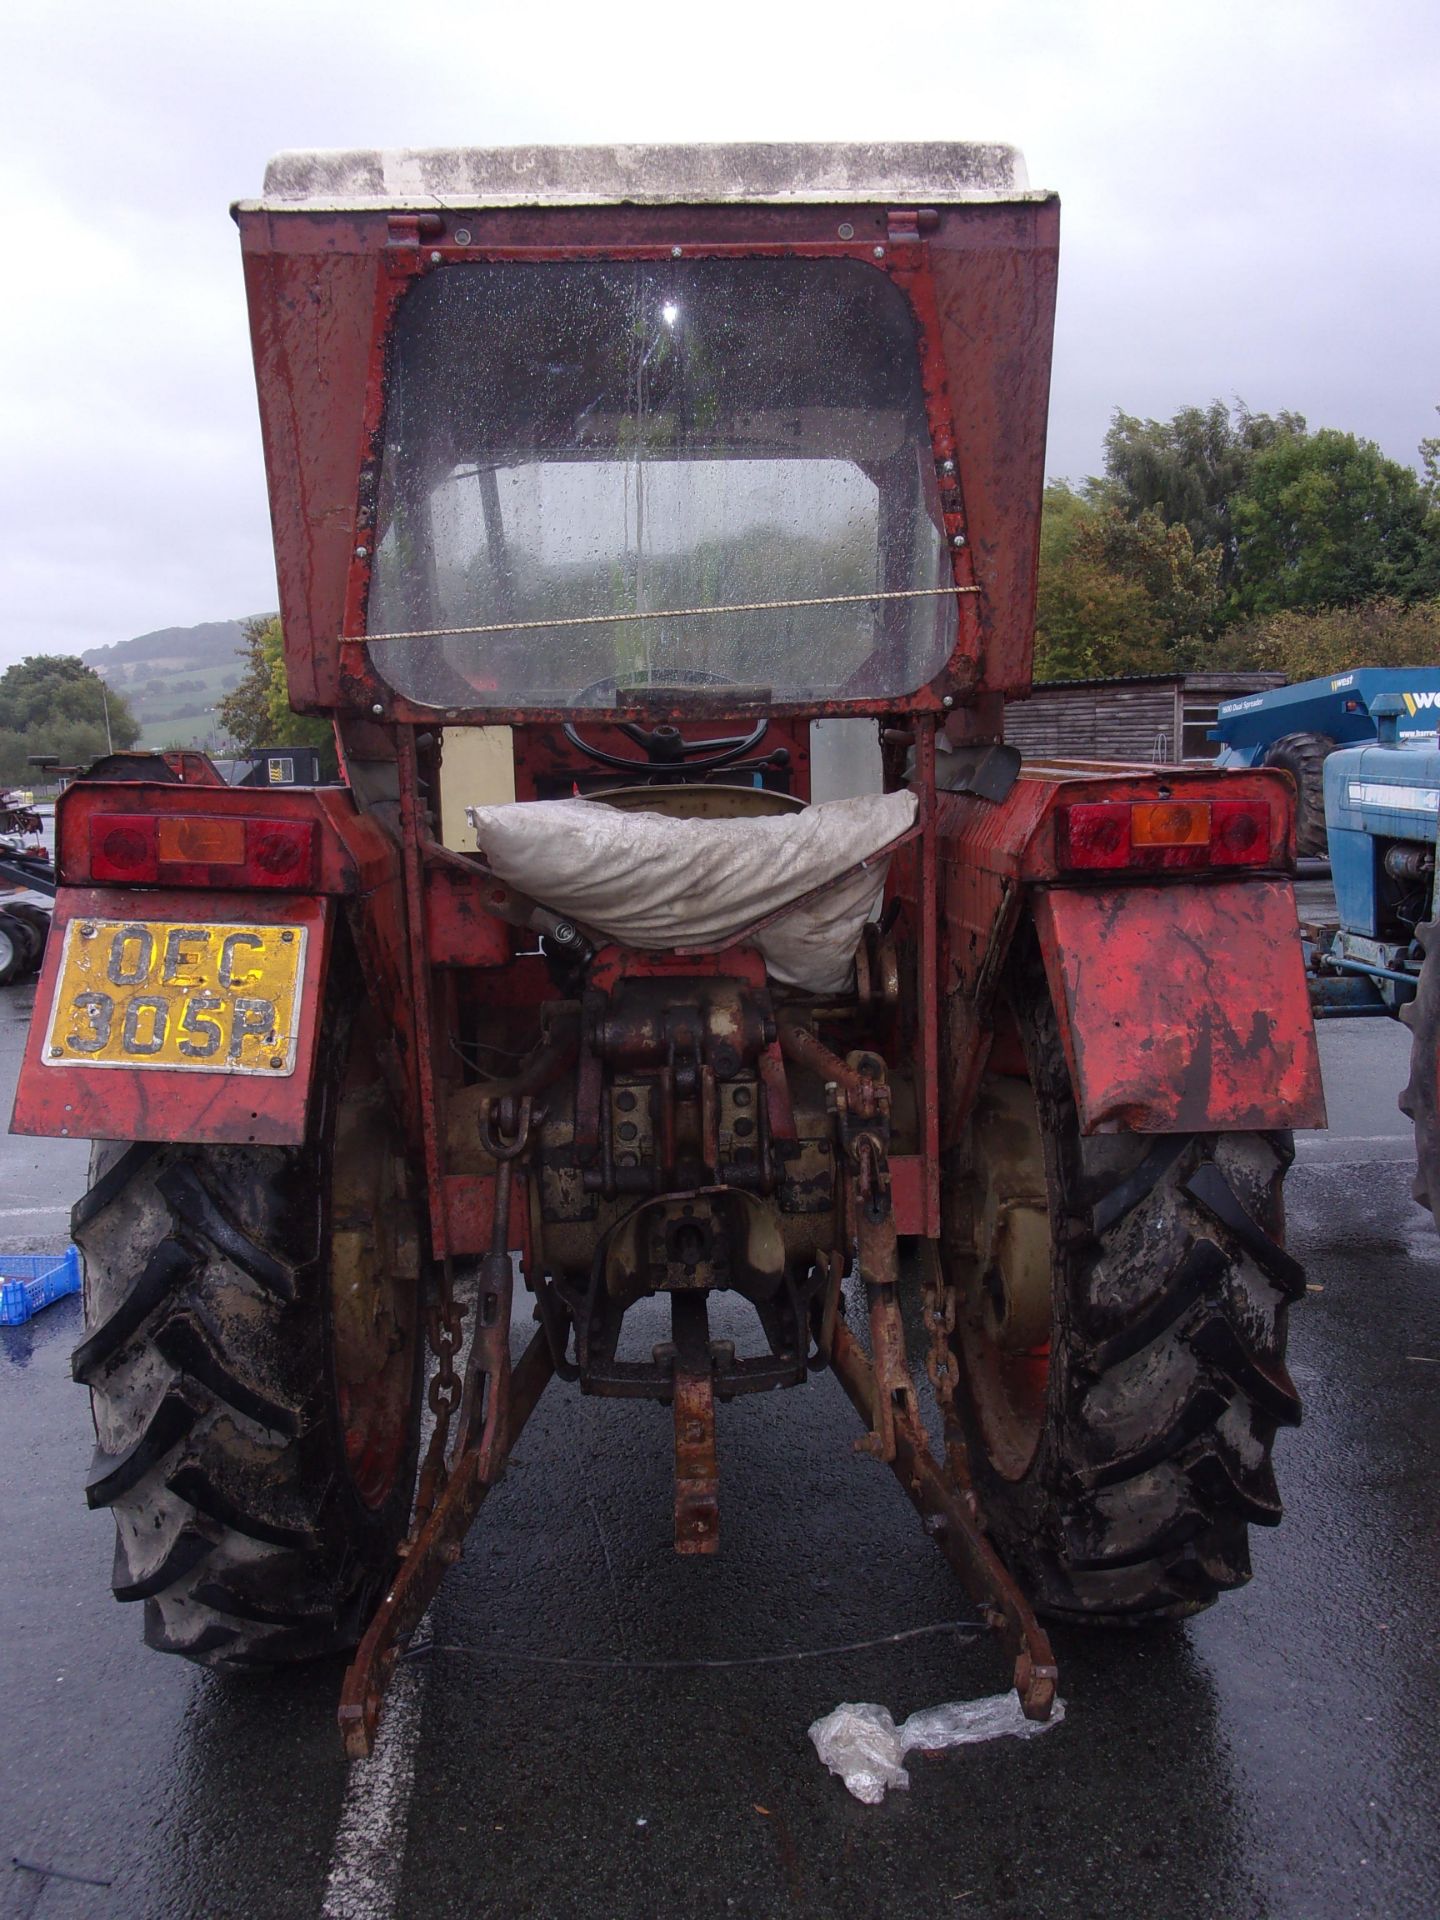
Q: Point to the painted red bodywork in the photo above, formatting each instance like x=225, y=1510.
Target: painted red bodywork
x=1151, y=977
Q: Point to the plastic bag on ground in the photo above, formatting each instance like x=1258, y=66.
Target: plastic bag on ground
x=861, y=1742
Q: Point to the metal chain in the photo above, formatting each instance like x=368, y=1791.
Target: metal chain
x=938, y=1304
x=445, y=1328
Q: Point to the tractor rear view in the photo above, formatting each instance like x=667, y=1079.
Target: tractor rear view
x=633, y=465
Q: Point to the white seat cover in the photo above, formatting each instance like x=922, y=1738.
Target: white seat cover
x=649, y=881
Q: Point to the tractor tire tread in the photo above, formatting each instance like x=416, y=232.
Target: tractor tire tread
x=197, y=1207
x=167, y=1424
x=130, y=1581
x=1180, y=1502
x=235, y=1524
x=1303, y=757
x=1167, y=1379
x=169, y=1265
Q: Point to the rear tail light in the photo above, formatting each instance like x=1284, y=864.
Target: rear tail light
x=1094, y=834
x=1168, y=835
x=136, y=849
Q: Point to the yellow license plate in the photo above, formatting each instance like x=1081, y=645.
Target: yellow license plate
x=220, y=998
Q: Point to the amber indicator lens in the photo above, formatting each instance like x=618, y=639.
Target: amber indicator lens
x=1170, y=823
x=214, y=843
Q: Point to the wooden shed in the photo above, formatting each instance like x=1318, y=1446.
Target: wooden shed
x=1134, y=716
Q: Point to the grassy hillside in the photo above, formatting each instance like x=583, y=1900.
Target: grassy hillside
x=174, y=678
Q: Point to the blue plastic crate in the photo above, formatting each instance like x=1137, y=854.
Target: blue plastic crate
x=30, y=1281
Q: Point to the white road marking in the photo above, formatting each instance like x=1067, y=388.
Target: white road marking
x=1323, y=1140
x=368, y=1857
x=17, y=1213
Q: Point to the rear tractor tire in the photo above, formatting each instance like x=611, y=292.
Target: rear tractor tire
x=253, y=1353
x=1303, y=757
x=1120, y=1337
x=36, y=920
x=14, y=949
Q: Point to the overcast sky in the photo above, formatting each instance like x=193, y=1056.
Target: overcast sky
x=1249, y=192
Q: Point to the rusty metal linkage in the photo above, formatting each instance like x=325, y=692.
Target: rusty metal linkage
x=497, y=1401
x=864, y=1090
x=956, y=1533
x=435, y=1551
x=697, y=1473
x=878, y=1259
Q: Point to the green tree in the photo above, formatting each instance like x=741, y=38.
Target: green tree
x=1181, y=583
x=55, y=704
x=1189, y=469
x=257, y=713
x=1116, y=595
x=1325, y=520
x=1302, y=646
x=244, y=712
x=1430, y=468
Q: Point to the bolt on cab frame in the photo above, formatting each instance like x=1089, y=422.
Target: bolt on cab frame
x=656, y=457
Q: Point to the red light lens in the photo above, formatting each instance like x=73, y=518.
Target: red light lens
x=1240, y=833
x=280, y=853
x=1095, y=834
x=122, y=848
x=275, y=854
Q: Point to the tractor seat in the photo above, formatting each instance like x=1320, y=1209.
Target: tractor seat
x=797, y=885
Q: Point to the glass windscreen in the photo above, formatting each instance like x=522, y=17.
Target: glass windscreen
x=686, y=475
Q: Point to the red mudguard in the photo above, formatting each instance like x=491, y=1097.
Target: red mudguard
x=1183, y=1007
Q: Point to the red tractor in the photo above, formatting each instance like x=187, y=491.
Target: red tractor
x=634, y=470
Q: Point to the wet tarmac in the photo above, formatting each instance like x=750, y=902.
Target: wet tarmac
x=1272, y=1758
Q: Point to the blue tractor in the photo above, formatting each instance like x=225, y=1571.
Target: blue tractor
x=1382, y=807
x=1298, y=727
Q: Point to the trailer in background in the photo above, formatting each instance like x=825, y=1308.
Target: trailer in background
x=1296, y=728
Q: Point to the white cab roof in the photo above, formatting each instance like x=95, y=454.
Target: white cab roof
x=775, y=172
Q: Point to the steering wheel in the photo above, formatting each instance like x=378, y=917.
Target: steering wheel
x=664, y=747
